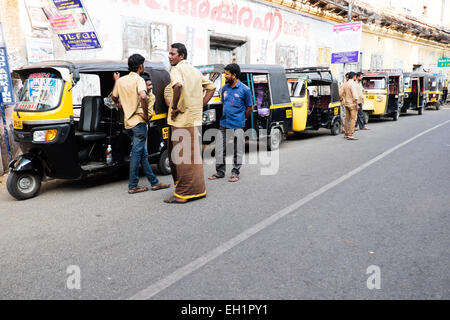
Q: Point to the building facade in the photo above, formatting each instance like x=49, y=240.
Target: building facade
x=409, y=35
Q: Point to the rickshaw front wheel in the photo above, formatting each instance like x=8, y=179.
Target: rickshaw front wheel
x=366, y=117
x=23, y=185
x=335, y=129
x=164, y=164
x=275, y=138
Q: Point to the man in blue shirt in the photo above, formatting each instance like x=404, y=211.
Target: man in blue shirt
x=236, y=99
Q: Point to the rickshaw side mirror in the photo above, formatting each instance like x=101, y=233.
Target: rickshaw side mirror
x=75, y=77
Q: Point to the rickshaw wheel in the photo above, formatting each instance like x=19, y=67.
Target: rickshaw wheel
x=23, y=185
x=274, y=140
x=438, y=105
x=164, y=164
x=366, y=117
x=335, y=129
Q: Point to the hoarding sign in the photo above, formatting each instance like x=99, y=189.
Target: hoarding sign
x=71, y=23
x=6, y=88
x=347, y=42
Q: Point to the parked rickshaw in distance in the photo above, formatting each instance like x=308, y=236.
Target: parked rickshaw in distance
x=64, y=123
x=415, y=97
x=271, y=117
x=315, y=95
x=384, y=93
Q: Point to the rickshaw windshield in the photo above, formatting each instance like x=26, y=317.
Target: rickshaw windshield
x=297, y=87
x=374, y=83
x=407, y=82
x=217, y=79
x=44, y=92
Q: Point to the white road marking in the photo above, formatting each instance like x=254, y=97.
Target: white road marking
x=184, y=271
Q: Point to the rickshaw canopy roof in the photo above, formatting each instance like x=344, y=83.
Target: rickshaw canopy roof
x=383, y=73
x=92, y=66
x=278, y=85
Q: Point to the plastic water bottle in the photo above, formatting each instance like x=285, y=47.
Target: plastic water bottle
x=109, y=155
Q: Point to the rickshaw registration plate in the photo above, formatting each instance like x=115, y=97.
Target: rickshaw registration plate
x=371, y=97
x=17, y=124
x=336, y=111
x=165, y=133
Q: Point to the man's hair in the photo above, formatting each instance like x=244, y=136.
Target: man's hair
x=359, y=74
x=146, y=77
x=346, y=75
x=351, y=75
x=135, y=61
x=181, y=48
x=234, y=68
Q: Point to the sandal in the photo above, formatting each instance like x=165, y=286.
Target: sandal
x=176, y=200
x=137, y=189
x=160, y=186
x=234, y=178
x=216, y=176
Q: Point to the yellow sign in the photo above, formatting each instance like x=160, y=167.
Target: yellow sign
x=336, y=111
x=165, y=133
x=289, y=114
x=17, y=124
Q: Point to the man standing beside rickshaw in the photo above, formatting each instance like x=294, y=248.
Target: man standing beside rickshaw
x=185, y=114
x=349, y=97
x=236, y=99
x=132, y=92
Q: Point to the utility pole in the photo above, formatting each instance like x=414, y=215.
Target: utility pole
x=350, y=10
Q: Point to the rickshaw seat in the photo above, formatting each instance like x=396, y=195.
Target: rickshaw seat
x=90, y=116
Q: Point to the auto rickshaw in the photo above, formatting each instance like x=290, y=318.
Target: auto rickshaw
x=384, y=93
x=314, y=93
x=65, y=123
x=415, y=99
x=271, y=117
x=433, y=88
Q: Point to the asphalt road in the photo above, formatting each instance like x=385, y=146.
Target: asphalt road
x=309, y=232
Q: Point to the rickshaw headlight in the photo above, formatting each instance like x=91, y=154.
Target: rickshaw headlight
x=209, y=116
x=379, y=99
x=45, y=135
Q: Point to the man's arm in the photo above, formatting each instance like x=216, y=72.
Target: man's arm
x=144, y=105
x=115, y=92
x=210, y=88
x=208, y=95
x=176, y=99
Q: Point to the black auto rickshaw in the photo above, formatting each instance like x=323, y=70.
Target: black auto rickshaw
x=271, y=117
x=64, y=123
x=320, y=93
x=384, y=93
x=415, y=99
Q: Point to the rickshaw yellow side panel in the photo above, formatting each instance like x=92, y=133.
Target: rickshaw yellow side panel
x=300, y=114
x=215, y=100
x=372, y=102
x=63, y=112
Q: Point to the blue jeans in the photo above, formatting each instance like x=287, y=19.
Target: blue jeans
x=139, y=154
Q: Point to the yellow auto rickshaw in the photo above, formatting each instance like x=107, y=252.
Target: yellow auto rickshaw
x=66, y=125
x=384, y=93
x=315, y=96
